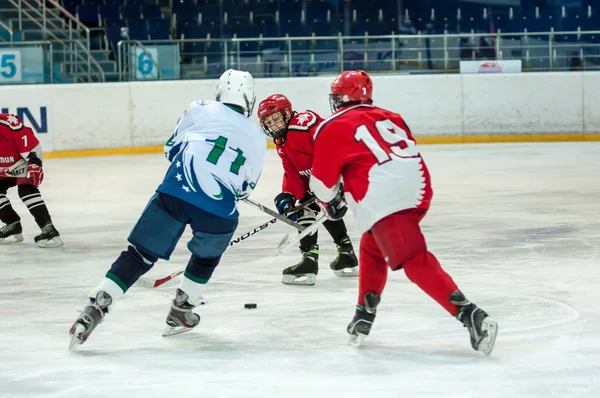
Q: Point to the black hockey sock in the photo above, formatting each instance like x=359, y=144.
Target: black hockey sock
x=338, y=231
x=309, y=241
x=8, y=215
x=200, y=269
x=32, y=198
x=128, y=268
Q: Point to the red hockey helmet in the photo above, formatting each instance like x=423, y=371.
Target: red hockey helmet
x=274, y=114
x=351, y=88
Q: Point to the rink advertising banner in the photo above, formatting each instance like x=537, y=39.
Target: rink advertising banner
x=32, y=104
x=489, y=66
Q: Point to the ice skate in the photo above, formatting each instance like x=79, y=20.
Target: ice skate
x=305, y=272
x=482, y=328
x=346, y=263
x=11, y=233
x=49, y=237
x=360, y=327
x=90, y=317
x=181, y=319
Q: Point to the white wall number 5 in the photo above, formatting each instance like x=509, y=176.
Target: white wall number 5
x=401, y=145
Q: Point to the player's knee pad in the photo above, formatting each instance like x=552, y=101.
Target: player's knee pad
x=209, y=245
x=156, y=233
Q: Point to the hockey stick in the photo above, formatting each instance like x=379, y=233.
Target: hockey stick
x=146, y=282
x=287, y=242
x=281, y=217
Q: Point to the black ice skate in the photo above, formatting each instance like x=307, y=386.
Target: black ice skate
x=90, y=317
x=346, y=263
x=360, y=327
x=49, y=237
x=305, y=272
x=482, y=328
x=11, y=233
x=181, y=319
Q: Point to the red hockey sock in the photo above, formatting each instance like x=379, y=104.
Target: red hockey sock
x=425, y=271
x=372, y=269
x=372, y=278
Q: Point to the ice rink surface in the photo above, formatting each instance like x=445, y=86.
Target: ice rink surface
x=516, y=225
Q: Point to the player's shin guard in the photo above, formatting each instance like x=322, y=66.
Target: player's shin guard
x=482, y=328
x=129, y=266
x=32, y=198
x=425, y=271
x=361, y=324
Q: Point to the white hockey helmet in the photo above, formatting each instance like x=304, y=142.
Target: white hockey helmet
x=236, y=87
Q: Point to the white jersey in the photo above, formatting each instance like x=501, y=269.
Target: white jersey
x=217, y=157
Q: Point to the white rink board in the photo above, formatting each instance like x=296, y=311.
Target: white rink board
x=112, y=115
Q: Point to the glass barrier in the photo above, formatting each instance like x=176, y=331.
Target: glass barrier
x=311, y=56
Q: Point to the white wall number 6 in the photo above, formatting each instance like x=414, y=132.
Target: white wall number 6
x=401, y=145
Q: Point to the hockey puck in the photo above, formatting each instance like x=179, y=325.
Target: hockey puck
x=250, y=305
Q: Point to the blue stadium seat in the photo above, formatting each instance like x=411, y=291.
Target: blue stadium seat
x=182, y=5
x=134, y=2
x=376, y=28
x=158, y=32
x=289, y=18
x=112, y=2
x=138, y=32
x=295, y=30
x=188, y=12
x=151, y=11
x=263, y=7
x=88, y=15
x=357, y=29
x=210, y=11
x=572, y=21
x=157, y=22
x=113, y=22
x=92, y=2
x=239, y=11
x=113, y=36
x=264, y=19
x=322, y=28
x=110, y=11
x=71, y=5
x=131, y=11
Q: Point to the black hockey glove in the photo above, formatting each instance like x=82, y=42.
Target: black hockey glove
x=284, y=202
x=335, y=209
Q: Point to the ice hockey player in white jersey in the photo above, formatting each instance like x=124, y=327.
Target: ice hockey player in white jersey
x=217, y=155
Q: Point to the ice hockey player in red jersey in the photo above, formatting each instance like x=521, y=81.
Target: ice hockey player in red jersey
x=292, y=133
x=387, y=186
x=21, y=166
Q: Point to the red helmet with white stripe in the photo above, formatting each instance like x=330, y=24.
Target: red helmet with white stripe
x=274, y=114
x=351, y=88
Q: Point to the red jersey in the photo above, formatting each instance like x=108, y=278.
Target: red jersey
x=296, y=153
x=373, y=151
x=16, y=143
